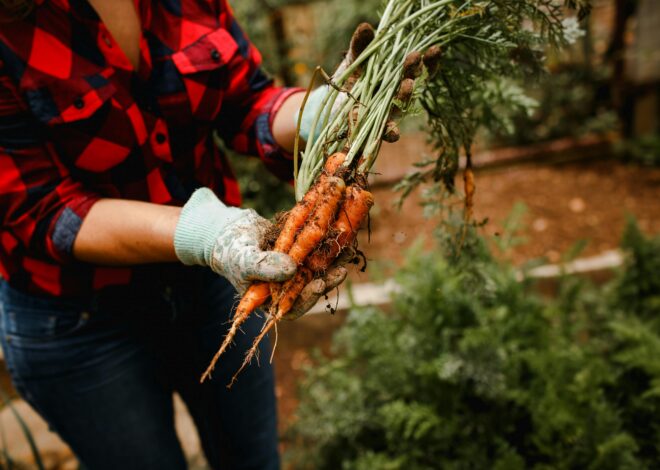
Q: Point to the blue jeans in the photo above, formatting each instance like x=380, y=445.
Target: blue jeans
x=101, y=372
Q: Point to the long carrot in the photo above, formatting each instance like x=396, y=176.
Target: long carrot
x=297, y=216
x=253, y=298
x=352, y=214
x=309, y=237
x=319, y=221
x=259, y=292
x=290, y=292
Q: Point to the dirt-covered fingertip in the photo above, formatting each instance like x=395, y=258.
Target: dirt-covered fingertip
x=334, y=277
x=362, y=37
x=310, y=294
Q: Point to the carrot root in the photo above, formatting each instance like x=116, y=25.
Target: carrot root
x=253, y=298
x=319, y=221
x=352, y=214
x=304, y=228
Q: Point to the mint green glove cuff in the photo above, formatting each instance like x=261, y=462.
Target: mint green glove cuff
x=314, y=102
x=201, y=221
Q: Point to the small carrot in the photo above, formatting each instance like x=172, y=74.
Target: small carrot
x=297, y=216
x=319, y=221
x=468, y=180
x=431, y=60
x=290, y=292
x=333, y=163
x=352, y=214
x=405, y=90
x=253, y=298
x=259, y=292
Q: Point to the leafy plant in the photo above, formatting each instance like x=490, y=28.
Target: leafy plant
x=470, y=369
x=644, y=150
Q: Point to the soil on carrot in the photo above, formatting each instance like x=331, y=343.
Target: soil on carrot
x=565, y=204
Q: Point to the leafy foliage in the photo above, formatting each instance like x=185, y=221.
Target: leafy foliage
x=471, y=370
x=573, y=101
x=644, y=150
x=480, y=83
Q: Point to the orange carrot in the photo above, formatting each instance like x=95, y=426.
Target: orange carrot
x=297, y=216
x=352, y=214
x=292, y=289
x=296, y=219
x=319, y=221
x=253, y=298
x=331, y=190
x=259, y=292
x=290, y=292
x=333, y=163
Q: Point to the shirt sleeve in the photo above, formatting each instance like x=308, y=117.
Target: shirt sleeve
x=250, y=104
x=41, y=206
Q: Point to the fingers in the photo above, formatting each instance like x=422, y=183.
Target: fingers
x=361, y=38
x=310, y=294
x=316, y=289
x=335, y=276
x=267, y=266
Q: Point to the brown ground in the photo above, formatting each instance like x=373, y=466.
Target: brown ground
x=566, y=203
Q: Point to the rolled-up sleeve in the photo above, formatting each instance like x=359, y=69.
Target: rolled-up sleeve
x=250, y=104
x=41, y=206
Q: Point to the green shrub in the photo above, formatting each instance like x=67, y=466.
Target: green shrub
x=471, y=369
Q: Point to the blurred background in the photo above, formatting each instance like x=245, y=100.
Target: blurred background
x=531, y=338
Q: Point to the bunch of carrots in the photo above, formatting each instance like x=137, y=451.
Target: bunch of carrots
x=333, y=199
x=389, y=78
x=314, y=233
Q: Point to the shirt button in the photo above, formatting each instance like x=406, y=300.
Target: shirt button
x=161, y=138
x=215, y=55
x=79, y=103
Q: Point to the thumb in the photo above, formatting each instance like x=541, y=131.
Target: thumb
x=269, y=266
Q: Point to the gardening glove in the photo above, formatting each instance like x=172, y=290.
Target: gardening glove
x=228, y=239
x=361, y=38
x=318, y=288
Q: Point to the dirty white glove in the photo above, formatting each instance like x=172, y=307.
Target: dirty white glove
x=227, y=239
x=362, y=37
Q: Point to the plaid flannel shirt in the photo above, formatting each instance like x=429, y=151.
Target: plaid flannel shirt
x=78, y=123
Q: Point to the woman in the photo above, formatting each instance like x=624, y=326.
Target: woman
x=107, y=109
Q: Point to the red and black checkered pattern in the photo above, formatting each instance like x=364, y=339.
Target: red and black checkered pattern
x=78, y=123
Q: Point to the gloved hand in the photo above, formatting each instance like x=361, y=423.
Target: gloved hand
x=228, y=239
x=361, y=38
x=318, y=288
